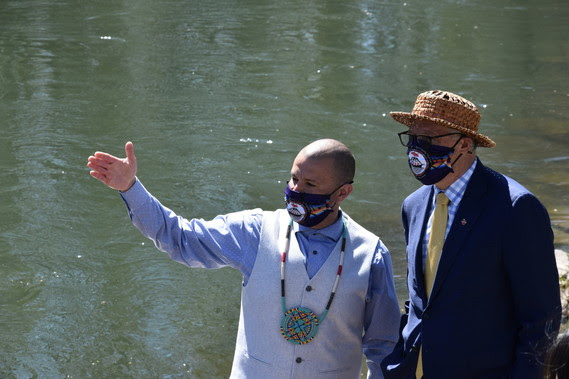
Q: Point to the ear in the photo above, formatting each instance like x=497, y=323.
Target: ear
x=466, y=145
x=344, y=192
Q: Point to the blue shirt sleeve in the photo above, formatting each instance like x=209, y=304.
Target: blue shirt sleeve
x=233, y=240
x=382, y=314
x=227, y=240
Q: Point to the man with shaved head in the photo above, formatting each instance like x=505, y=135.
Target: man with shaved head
x=318, y=288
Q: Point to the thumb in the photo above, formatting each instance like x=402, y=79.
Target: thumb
x=129, y=150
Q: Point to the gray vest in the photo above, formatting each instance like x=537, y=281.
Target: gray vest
x=336, y=351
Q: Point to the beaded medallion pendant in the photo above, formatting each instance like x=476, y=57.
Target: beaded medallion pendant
x=299, y=325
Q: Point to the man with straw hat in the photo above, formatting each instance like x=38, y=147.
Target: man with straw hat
x=482, y=279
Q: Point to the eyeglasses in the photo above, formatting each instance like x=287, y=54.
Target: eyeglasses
x=424, y=141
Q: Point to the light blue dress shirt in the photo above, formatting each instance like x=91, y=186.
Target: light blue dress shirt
x=454, y=192
x=233, y=239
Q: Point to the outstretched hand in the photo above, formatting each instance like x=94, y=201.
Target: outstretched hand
x=117, y=173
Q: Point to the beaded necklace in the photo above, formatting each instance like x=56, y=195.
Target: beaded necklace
x=299, y=325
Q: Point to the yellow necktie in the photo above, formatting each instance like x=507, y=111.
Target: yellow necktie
x=436, y=240
x=434, y=249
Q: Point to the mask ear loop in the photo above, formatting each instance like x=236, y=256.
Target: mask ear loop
x=330, y=195
x=460, y=155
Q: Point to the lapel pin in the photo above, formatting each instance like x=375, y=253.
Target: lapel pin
x=463, y=222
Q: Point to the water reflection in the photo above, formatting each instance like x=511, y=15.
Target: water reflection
x=202, y=88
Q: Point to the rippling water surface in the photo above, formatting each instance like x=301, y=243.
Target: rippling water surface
x=218, y=96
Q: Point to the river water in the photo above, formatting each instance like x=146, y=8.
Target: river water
x=218, y=96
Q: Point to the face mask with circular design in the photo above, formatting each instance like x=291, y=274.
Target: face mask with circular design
x=308, y=209
x=430, y=165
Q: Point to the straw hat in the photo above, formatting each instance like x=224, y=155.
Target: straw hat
x=446, y=109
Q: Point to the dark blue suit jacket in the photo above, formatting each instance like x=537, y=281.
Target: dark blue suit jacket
x=495, y=299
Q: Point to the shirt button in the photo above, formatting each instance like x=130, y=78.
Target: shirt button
x=309, y=288
x=298, y=360
x=314, y=252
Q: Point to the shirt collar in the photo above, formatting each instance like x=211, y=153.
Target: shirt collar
x=456, y=190
x=333, y=232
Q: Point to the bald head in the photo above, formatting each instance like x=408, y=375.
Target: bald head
x=344, y=163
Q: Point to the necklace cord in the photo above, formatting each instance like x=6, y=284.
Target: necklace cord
x=338, y=273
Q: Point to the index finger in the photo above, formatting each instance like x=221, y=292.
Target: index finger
x=105, y=157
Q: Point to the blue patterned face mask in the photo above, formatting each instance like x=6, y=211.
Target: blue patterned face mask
x=430, y=165
x=308, y=209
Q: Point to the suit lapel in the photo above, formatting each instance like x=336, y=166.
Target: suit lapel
x=467, y=214
x=417, y=227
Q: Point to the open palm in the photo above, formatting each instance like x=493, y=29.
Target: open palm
x=117, y=173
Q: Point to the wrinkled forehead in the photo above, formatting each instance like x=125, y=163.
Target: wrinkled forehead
x=313, y=167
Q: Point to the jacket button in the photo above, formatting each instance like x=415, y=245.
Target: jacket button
x=298, y=360
x=425, y=316
x=309, y=288
x=414, y=349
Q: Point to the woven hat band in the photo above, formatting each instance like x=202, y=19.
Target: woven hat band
x=458, y=114
x=446, y=109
